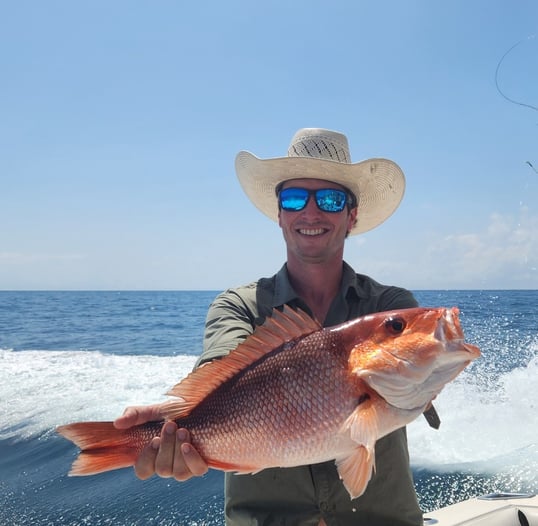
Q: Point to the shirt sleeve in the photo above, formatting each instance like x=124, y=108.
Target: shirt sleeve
x=230, y=319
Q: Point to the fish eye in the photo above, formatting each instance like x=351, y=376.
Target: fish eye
x=395, y=325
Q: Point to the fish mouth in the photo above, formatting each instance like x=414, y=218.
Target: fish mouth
x=450, y=333
x=448, y=326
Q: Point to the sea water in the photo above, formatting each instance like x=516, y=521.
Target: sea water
x=70, y=356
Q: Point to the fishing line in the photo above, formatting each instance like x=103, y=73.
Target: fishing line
x=532, y=167
x=497, y=76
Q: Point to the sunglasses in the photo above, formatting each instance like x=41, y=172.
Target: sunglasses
x=329, y=200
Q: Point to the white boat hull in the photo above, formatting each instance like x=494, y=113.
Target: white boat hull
x=496, y=509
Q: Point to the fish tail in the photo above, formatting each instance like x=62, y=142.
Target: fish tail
x=101, y=460
x=103, y=447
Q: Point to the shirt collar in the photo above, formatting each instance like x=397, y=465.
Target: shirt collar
x=284, y=292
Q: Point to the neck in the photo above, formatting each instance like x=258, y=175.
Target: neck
x=317, y=284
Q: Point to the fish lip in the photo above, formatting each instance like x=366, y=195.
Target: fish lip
x=450, y=332
x=448, y=326
x=461, y=348
x=473, y=350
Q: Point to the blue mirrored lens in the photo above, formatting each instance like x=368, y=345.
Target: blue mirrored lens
x=293, y=199
x=331, y=200
x=327, y=199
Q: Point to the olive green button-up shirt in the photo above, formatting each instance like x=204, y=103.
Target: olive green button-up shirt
x=304, y=494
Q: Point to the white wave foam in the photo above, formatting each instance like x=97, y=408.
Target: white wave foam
x=42, y=389
x=487, y=423
x=483, y=424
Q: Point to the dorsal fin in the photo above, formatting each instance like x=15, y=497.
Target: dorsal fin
x=280, y=328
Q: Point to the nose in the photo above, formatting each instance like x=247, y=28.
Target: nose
x=311, y=209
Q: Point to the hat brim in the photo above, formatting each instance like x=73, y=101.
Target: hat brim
x=378, y=184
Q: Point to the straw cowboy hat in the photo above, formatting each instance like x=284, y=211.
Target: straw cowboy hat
x=314, y=153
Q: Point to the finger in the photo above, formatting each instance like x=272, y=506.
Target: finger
x=180, y=470
x=164, y=462
x=187, y=461
x=137, y=415
x=128, y=419
x=145, y=463
x=196, y=464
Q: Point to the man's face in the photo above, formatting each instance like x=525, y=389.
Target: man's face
x=312, y=234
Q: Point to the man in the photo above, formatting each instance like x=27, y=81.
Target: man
x=318, y=198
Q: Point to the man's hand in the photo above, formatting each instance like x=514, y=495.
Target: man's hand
x=168, y=455
x=138, y=415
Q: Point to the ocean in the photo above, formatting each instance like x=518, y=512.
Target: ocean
x=70, y=356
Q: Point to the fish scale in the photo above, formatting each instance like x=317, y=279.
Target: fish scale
x=288, y=402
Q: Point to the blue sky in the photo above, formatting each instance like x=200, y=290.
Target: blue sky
x=120, y=122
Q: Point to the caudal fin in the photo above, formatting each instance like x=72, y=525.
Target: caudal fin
x=103, y=447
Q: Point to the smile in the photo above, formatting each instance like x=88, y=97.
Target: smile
x=311, y=231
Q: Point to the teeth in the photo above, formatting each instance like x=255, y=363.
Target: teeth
x=311, y=231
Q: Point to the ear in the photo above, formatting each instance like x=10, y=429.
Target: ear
x=352, y=219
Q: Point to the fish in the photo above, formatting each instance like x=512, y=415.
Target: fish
x=294, y=393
